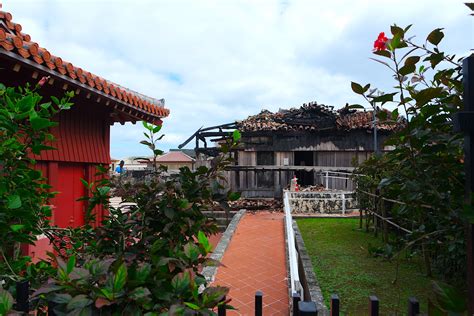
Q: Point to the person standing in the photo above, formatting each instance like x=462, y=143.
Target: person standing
x=120, y=168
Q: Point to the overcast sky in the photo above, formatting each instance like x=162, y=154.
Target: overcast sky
x=215, y=62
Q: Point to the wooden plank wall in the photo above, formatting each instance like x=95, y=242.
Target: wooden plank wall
x=83, y=135
x=247, y=179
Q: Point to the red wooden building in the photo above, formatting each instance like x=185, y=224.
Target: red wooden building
x=83, y=133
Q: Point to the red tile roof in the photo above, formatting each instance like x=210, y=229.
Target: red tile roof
x=13, y=40
x=175, y=156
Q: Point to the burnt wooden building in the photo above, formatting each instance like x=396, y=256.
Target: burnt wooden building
x=311, y=142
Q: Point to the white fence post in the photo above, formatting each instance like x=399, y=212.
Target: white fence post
x=343, y=203
x=327, y=180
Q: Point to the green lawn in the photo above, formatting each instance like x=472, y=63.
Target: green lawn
x=338, y=251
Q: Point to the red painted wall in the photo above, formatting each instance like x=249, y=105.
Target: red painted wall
x=68, y=211
x=82, y=142
x=83, y=135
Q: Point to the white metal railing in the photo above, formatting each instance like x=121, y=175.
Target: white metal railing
x=326, y=175
x=295, y=284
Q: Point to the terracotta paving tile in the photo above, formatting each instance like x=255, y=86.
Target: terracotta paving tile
x=256, y=260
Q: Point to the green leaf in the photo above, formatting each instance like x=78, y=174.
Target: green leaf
x=38, y=123
x=236, y=136
x=426, y=95
x=17, y=227
x=169, y=212
x=26, y=103
x=204, y=241
x=142, y=272
x=156, y=129
x=48, y=288
x=395, y=42
x=139, y=294
x=384, y=53
x=407, y=69
x=233, y=196
x=61, y=298
x=435, y=59
x=395, y=114
x=103, y=190
x=13, y=201
x=394, y=29
x=449, y=298
x=191, y=251
x=180, y=283
x=145, y=142
x=384, y=98
x=435, y=36
x=55, y=100
x=78, y=302
x=382, y=115
x=355, y=106
x=107, y=293
x=147, y=126
x=71, y=264
x=412, y=60
x=120, y=278
x=192, y=306
x=6, y=302
x=357, y=88
x=183, y=203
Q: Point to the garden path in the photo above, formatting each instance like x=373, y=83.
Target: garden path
x=256, y=260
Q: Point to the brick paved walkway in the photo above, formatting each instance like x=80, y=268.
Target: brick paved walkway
x=256, y=260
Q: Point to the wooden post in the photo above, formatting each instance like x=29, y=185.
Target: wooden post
x=296, y=298
x=463, y=122
x=258, y=303
x=307, y=308
x=23, y=296
x=334, y=305
x=384, y=222
x=373, y=306
x=413, y=307
x=221, y=311
x=376, y=211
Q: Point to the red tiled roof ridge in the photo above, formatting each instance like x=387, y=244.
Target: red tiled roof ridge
x=12, y=40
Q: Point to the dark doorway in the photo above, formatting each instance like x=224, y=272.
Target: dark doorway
x=265, y=179
x=304, y=158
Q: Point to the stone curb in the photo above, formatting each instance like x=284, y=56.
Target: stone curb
x=313, y=286
x=210, y=272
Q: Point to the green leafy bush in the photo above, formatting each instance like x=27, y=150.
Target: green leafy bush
x=25, y=120
x=424, y=171
x=145, y=258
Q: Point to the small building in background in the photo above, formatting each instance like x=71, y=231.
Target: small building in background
x=174, y=160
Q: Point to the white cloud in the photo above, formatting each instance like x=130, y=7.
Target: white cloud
x=219, y=61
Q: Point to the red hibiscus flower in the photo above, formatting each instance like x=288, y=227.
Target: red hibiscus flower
x=380, y=42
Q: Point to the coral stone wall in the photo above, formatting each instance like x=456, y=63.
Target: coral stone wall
x=325, y=202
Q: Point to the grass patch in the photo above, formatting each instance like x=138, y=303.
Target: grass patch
x=338, y=251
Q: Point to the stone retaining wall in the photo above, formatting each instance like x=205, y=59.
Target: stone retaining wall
x=324, y=202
